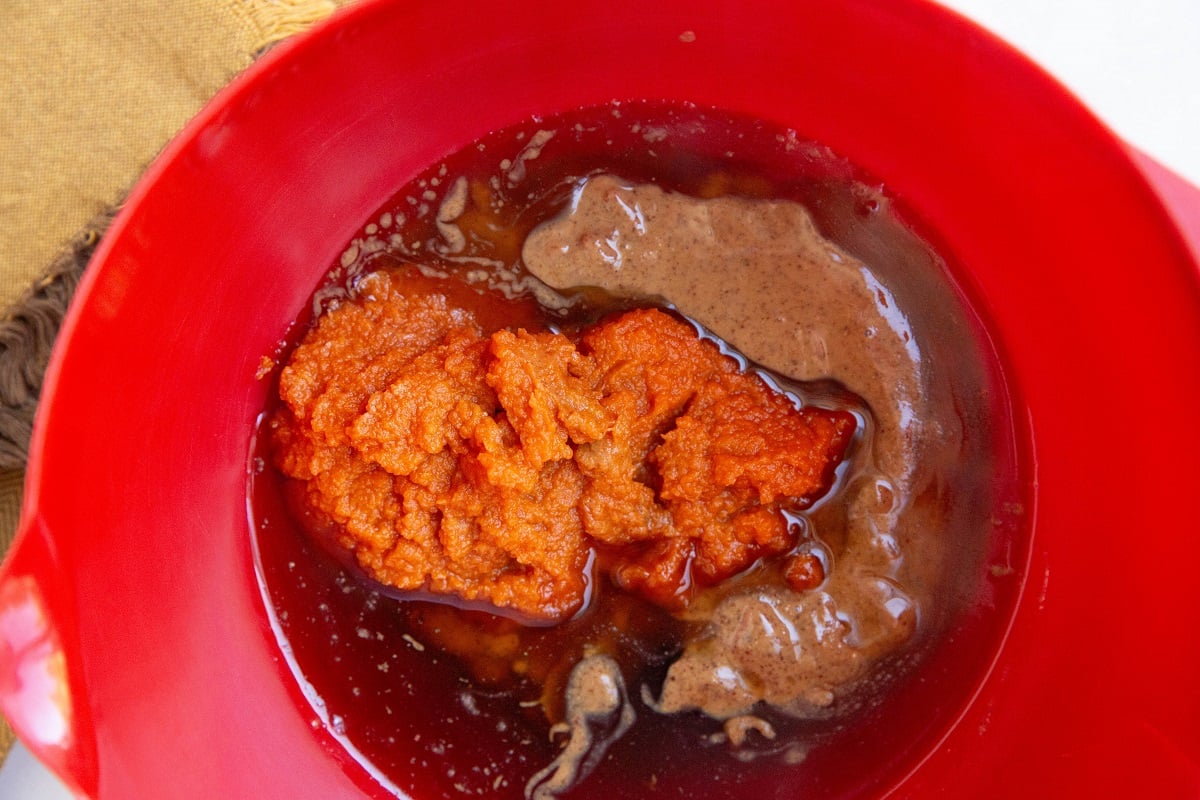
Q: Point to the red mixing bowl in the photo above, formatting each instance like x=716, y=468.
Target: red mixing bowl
x=136, y=654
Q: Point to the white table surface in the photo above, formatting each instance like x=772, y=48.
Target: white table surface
x=1135, y=64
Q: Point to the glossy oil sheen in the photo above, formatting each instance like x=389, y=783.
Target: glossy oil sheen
x=135, y=554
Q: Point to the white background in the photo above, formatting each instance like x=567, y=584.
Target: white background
x=1136, y=63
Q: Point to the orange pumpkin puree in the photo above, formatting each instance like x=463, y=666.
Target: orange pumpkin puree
x=504, y=468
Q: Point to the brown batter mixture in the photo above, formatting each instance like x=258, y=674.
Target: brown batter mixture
x=760, y=275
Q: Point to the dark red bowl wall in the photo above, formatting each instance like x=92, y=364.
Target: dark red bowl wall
x=136, y=534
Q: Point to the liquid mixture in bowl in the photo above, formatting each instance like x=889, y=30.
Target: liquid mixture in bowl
x=640, y=450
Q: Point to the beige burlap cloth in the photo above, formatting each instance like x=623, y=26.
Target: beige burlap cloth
x=89, y=94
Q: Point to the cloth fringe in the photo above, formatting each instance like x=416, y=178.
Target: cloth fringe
x=27, y=332
x=274, y=20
